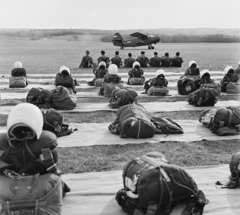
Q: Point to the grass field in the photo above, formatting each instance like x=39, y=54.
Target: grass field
x=47, y=55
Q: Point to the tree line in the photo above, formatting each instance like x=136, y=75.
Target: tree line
x=182, y=38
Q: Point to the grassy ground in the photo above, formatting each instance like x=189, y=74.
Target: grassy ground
x=106, y=158
x=46, y=56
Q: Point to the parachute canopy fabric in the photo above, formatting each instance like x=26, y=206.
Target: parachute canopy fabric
x=94, y=193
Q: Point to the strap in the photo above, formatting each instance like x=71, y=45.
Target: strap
x=230, y=116
x=151, y=210
x=139, y=128
x=47, y=159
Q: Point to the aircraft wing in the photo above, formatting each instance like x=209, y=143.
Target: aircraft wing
x=137, y=34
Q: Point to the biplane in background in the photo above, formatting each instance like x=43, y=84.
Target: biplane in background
x=135, y=39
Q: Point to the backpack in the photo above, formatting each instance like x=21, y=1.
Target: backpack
x=39, y=97
x=63, y=98
x=185, y=85
x=64, y=81
x=157, y=91
x=110, y=87
x=121, y=97
x=234, y=179
x=203, y=97
x=154, y=186
x=17, y=82
x=54, y=122
x=98, y=82
x=136, y=81
x=32, y=194
x=216, y=86
x=222, y=120
x=233, y=87
x=133, y=121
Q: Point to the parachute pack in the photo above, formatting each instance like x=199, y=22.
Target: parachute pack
x=17, y=82
x=108, y=88
x=63, y=98
x=234, y=179
x=32, y=194
x=39, y=97
x=203, y=97
x=157, y=91
x=133, y=121
x=185, y=86
x=136, y=81
x=233, y=88
x=154, y=186
x=121, y=97
x=60, y=98
x=54, y=122
x=222, y=120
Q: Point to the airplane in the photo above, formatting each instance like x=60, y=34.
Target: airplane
x=135, y=39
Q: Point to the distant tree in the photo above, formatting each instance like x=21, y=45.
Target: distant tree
x=75, y=37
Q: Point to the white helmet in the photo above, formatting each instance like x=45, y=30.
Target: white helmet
x=226, y=70
x=17, y=64
x=64, y=68
x=102, y=63
x=204, y=72
x=159, y=72
x=113, y=69
x=239, y=63
x=191, y=63
x=26, y=115
x=135, y=64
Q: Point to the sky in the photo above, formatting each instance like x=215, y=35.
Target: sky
x=119, y=14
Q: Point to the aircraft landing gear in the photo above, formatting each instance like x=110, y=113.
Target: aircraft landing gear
x=150, y=47
x=122, y=47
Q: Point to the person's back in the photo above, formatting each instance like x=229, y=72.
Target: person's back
x=155, y=60
x=18, y=70
x=64, y=78
x=177, y=60
x=143, y=60
x=117, y=61
x=159, y=82
x=128, y=62
x=205, y=77
x=103, y=58
x=86, y=62
x=192, y=70
x=166, y=60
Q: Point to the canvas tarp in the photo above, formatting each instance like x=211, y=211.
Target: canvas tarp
x=94, y=193
x=150, y=106
x=193, y=131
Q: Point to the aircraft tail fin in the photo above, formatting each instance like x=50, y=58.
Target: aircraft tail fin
x=117, y=37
